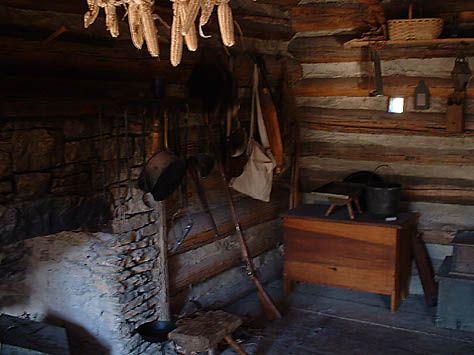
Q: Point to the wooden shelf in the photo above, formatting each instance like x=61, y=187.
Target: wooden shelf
x=441, y=42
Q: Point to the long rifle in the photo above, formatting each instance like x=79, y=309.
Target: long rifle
x=268, y=306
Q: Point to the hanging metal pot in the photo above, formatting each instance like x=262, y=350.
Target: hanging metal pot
x=164, y=172
x=383, y=199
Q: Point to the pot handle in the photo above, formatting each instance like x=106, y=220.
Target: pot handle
x=384, y=166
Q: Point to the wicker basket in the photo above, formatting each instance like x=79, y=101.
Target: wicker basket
x=420, y=28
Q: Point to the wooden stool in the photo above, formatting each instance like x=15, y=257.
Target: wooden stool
x=340, y=194
x=344, y=201
x=205, y=331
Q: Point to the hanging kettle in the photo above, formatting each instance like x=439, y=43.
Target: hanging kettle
x=164, y=171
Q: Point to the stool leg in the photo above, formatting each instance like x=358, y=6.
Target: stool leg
x=234, y=345
x=357, y=203
x=351, y=211
x=330, y=209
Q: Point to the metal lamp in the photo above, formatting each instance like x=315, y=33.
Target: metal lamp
x=461, y=74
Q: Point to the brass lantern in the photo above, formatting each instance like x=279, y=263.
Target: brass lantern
x=461, y=74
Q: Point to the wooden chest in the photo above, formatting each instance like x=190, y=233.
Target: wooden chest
x=366, y=254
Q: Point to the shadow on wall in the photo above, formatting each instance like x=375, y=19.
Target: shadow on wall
x=42, y=277
x=14, y=262
x=80, y=340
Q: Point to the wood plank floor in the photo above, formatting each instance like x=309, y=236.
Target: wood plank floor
x=325, y=320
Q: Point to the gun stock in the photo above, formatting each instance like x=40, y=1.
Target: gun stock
x=268, y=306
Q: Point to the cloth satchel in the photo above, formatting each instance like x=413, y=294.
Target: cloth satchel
x=257, y=177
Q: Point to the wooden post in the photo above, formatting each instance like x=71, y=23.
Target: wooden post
x=455, y=112
x=425, y=270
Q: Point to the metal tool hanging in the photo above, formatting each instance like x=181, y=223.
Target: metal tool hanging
x=374, y=54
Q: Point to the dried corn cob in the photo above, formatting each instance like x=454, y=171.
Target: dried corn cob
x=226, y=23
x=191, y=39
x=149, y=28
x=176, y=50
x=190, y=36
x=91, y=15
x=192, y=10
x=111, y=20
x=206, y=11
x=135, y=24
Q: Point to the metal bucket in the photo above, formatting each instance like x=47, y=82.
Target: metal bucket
x=383, y=199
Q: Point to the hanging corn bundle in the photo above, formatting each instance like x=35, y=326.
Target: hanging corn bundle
x=111, y=21
x=141, y=21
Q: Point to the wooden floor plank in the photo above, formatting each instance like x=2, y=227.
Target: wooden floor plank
x=328, y=320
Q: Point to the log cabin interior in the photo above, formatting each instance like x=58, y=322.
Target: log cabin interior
x=236, y=177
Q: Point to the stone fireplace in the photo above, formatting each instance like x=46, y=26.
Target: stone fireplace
x=78, y=247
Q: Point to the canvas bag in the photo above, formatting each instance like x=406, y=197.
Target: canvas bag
x=257, y=177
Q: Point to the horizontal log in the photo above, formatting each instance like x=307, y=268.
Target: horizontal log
x=196, y=266
x=414, y=188
x=372, y=119
x=439, y=194
x=393, y=148
x=285, y=4
x=436, y=183
x=436, y=68
x=25, y=20
x=46, y=84
x=449, y=157
x=77, y=7
x=434, y=7
x=327, y=17
x=265, y=28
x=378, y=103
x=415, y=142
x=15, y=86
x=330, y=49
x=117, y=62
x=251, y=212
x=393, y=86
x=40, y=24
x=228, y=286
x=436, y=216
x=343, y=167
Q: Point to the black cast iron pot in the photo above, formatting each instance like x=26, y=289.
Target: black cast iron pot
x=383, y=199
x=156, y=331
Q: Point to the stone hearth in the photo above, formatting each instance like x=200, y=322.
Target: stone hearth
x=99, y=286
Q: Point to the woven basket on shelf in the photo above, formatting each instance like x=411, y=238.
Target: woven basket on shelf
x=420, y=28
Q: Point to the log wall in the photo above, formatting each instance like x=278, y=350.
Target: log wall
x=344, y=130
x=68, y=81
